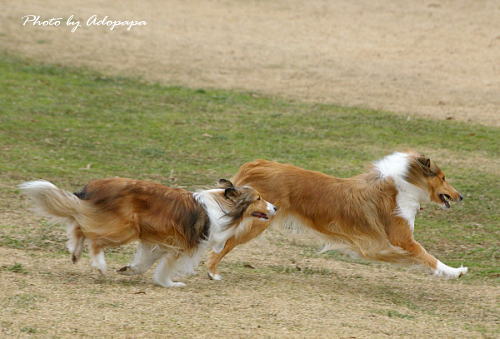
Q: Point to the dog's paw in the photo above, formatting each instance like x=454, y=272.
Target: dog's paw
x=176, y=284
x=447, y=272
x=170, y=283
x=214, y=276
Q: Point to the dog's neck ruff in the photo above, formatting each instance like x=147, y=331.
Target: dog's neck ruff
x=219, y=221
x=396, y=167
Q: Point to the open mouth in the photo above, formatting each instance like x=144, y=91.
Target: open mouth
x=260, y=215
x=444, y=198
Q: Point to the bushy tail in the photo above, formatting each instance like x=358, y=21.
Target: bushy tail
x=52, y=202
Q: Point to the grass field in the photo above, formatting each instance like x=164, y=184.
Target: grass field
x=72, y=125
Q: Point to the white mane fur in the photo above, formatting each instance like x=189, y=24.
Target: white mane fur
x=395, y=166
x=218, y=234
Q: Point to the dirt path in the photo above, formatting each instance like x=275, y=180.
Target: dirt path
x=434, y=58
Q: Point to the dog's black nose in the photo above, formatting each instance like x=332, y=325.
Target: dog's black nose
x=460, y=198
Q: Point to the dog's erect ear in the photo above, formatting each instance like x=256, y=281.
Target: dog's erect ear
x=426, y=166
x=223, y=183
x=424, y=161
x=231, y=193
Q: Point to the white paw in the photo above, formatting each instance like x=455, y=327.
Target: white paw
x=448, y=272
x=213, y=276
x=176, y=284
x=99, y=262
x=170, y=283
x=101, y=268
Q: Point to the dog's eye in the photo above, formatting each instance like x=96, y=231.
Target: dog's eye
x=258, y=198
x=444, y=178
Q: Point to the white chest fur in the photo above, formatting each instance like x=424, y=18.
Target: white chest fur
x=408, y=203
x=219, y=221
x=409, y=196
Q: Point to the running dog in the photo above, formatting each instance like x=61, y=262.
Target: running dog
x=171, y=224
x=371, y=215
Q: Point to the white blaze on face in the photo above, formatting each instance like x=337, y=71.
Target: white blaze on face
x=271, y=209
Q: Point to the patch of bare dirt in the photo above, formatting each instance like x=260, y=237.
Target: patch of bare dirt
x=432, y=58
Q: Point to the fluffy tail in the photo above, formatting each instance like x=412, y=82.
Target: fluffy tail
x=52, y=202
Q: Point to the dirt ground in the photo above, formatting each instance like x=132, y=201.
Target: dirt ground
x=277, y=286
x=434, y=58
x=57, y=298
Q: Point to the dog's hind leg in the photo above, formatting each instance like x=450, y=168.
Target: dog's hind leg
x=165, y=270
x=145, y=256
x=75, y=242
x=97, y=259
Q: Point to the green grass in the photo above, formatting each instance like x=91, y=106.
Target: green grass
x=72, y=125
x=16, y=268
x=24, y=300
x=29, y=330
x=396, y=314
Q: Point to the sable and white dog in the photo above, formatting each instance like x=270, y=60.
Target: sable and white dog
x=172, y=225
x=371, y=215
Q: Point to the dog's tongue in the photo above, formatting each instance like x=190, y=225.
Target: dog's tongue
x=259, y=215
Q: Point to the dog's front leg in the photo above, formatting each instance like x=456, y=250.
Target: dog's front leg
x=214, y=258
x=437, y=267
x=401, y=235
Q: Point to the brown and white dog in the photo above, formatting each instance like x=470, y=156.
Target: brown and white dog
x=171, y=224
x=371, y=215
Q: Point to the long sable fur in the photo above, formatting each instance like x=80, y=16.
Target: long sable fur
x=133, y=209
x=353, y=211
x=370, y=215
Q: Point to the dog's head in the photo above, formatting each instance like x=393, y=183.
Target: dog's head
x=245, y=202
x=425, y=174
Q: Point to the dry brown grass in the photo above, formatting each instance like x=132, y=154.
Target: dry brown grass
x=437, y=59
x=277, y=285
